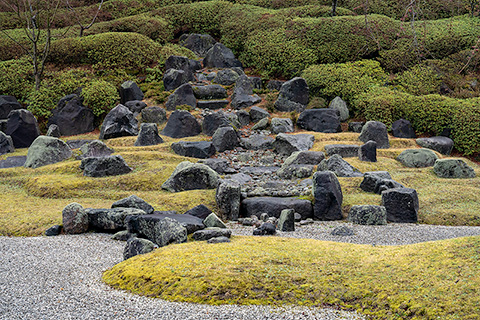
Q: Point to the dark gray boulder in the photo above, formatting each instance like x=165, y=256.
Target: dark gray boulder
x=198, y=43
x=355, y=126
x=220, y=56
x=286, y=144
x=7, y=104
x=53, y=231
x=243, y=117
x=183, y=95
x=243, y=96
x=375, y=131
x=201, y=211
x=148, y=135
x=403, y=129
x=161, y=231
x=210, y=92
x=228, y=198
x=440, y=144
x=6, y=144
x=135, y=106
x=368, y=152
x=53, y=131
x=194, y=149
x=341, y=106
x=417, y=158
x=401, y=205
x=104, y=166
x=453, y=169
x=209, y=233
x=3, y=125
x=191, y=176
x=212, y=221
x=320, y=120
x=304, y=157
x=370, y=180
x=293, y=95
x=386, y=184
x=257, y=114
x=96, y=148
x=75, y=219
x=119, y=122
x=47, y=150
x=266, y=229
x=154, y=114
x=76, y=144
x=72, y=117
x=135, y=202
x=221, y=166
x=286, y=221
x=22, y=127
x=343, y=150
x=129, y=91
x=339, y=166
x=328, y=196
x=368, y=215
x=225, y=138
x=189, y=222
x=257, y=142
x=213, y=121
x=13, y=162
x=181, y=124
x=173, y=78
x=111, y=219
x=183, y=63
x=136, y=246
x=226, y=77
x=281, y=125
x=274, y=85
x=274, y=206
x=212, y=104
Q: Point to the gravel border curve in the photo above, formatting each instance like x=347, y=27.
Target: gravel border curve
x=60, y=278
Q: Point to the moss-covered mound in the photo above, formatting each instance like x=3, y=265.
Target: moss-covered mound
x=436, y=280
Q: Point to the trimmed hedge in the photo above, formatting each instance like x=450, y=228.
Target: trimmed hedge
x=100, y=96
x=428, y=114
x=16, y=78
x=419, y=80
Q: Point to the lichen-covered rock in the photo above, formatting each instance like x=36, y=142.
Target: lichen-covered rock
x=209, y=233
x=286, y=144
x=191, y=176
x=371, y=179
x=148, y=135
x=453, y=169
x=95, y=149
x=281, y=125
x=262, y=124
x=341, y=106
x=339, y=166
x=75, y=219
x=154, y=114
x=136, y=246
x=368, y=215
x=119, y=122
x=53, y=131
x=6, y=144
x=228, y=198
x=375, y=131
x=134, y=201
x=47, y=150
x=210, y=92
x=328, y=196
x=304, y=157
x=417, y=158
x=111, y=219
x=286, y=222
x=212, y=221
x=226, y=77
x=161, y=231
x=104, y=166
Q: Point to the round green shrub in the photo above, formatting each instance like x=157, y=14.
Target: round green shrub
x=16, y=78
x=419, y=80
x=100, y=96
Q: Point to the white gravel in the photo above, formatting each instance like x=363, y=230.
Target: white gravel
x=60, y=278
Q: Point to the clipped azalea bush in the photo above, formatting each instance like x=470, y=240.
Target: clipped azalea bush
x=419, y=80
x=100, y=96
x=16, y=78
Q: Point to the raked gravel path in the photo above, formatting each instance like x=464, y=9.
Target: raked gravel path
x=60, y=277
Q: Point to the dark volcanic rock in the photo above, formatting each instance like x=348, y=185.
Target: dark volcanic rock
x=401, y=205
x=134, y=202
x=111, y=219
x=286, y=144
x=194, y=149
x=228, y=197
x=135, y=106
x=96, y=148
x=22, y=127
x=181, y=124
x=225, y=138
x=440, y=144
x=368, y=152
x=6, y=144
x=129, y=91
x=201, y=211
x=220, y=56
x=13, y=162
x=136, y=246
x=198, y=43
x=191, y=176
x=53, y=131
x=403, y=129
x=119, y=122
x=148, y=135
x=183, y=95
x=161, y=231
x=72, y=117
x=7, y=104
x=293, y=95
x=274, y=206
x=173, y=78
x=213, y=121
x=154, y=114
x=343, y=150
x=210, y=92
x=328, y=196
x=320, y=120
x=375, y=131
x=104, y=166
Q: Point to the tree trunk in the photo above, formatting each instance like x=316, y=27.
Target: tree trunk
x=334, y=8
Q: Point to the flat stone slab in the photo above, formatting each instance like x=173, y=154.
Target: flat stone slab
x=440, y=144
x=13, y=162
x=212, y=104
x=344, y=150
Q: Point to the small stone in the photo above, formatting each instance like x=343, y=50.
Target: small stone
x=286, y=222
x=368, y=215
x=213, y=221
x=218, y=240
x=368, y=152
x=53, y=231
x=136, y=246
x=342, y=231
x=209, y=233
x=266, y=228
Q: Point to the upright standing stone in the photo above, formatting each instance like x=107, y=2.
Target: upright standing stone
x=401, y=205
x=286, y=222
x=198, y=43
x=75, y=219
x=7, y=104
x=403, y=129
x=293, y=95
x=376, y=131
x=22, y=127
x=183, y=95
x=129, y=91
x=368, y=152
x=220, y=56
x=341, y=106
x=72, y=117
x=328, y=196
x=225, y=138
x=228, y=197
x=148, y=135
x=181, y=124
x=119, y=122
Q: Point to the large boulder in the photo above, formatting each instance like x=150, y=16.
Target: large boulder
x=72, y=117
x=148, y=135
x=286, y=144
x=341, y=106
x=257, y=114
x=173, y=78
x=225, y=138
x=183, y=95
x=403, y=129
x=119, y=122
x=181, y=124
x=257, y=142
x=129, y=91
x=443, y=145
x=194, y=149
x=220, y=56
x=136, y=106
x=6, y=144
x=328, y=196
x=343, y=150
x=243, y=96
x=136, y=246
x=198, y=43
x=401, y=205
x=210, y=92
x=368, y=215
x=75, y=219
x=281, y=125
x=135, y=202
x=226, y=77
x=47, y=150
x=213, y=121
x=293, y=95
x=320, y=120
x=111, y=219
x=228, y=198
x=339, y=166
x=417, y=158
x=104, y=166
x=375, y=131
x=274, y=206
x=7, y=104
x=188, y=66
x=22, y=127
x=154, y=114
x=453, y=169
x=189, y=222
x=372, y=179
x=368, y=152
x=96, y=148
x=161, y=231
x=191, y=176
